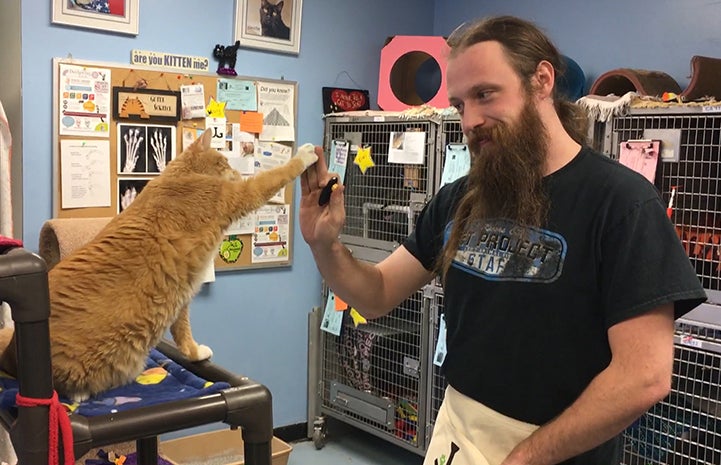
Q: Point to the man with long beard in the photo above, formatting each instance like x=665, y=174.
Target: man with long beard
x=562, y=274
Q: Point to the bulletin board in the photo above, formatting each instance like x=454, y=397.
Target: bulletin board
x=86, y=134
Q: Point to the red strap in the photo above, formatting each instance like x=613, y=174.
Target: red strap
x=58, y=416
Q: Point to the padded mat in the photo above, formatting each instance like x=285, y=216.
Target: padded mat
x=162, y=380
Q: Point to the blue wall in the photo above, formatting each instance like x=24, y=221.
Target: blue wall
x=256, y=321
x=659, y=35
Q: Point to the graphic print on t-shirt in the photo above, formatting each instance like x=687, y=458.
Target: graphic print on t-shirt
x=501, y=250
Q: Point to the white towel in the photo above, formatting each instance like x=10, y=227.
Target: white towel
x=602, y=108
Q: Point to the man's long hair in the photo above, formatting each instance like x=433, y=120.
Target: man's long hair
x=525, y=47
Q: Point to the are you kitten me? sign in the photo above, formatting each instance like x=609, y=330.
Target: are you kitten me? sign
x=197, y=64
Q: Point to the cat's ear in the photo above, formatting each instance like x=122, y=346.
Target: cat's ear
x=280, y=6
x=202, y=143
x=205, y=140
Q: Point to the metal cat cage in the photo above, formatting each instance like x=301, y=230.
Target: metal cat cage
x=683, y=428
x=374, y=376
x=382, y=204
x=694, y=173
x=436, y=381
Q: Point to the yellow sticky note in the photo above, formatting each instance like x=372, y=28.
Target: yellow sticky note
x=363, y=159
x=215, y=109
x=357, y=318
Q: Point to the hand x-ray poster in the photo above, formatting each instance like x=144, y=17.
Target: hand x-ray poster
x=144, y=149
x=276, y=103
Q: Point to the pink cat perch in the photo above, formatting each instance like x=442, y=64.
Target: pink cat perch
x=401, y=59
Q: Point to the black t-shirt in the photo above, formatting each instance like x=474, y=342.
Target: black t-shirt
x=527, y=309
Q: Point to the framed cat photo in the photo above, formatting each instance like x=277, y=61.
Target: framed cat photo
x=104, y=15
x=272, y=25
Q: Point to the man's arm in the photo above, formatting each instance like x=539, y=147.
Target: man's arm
x=638, y=376
x=373, y=290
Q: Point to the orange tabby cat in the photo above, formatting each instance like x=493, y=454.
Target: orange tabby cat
x=112, y=300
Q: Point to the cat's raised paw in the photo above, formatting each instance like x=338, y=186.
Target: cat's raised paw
x=306, y=153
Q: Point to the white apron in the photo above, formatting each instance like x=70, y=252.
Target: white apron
x=467, y=432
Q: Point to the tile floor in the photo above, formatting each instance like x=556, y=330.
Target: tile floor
x=346, y=445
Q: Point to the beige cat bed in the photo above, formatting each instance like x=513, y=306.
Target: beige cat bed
x=61, y=236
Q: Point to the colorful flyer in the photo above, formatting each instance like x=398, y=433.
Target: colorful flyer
x=84, y=101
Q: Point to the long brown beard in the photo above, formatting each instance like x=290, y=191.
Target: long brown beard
x=506, y=178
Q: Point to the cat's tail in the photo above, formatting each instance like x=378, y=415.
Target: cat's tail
x=8, y=361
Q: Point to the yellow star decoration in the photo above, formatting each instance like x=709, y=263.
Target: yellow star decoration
x=363, y=159
x=357, y=317
x=215, y=109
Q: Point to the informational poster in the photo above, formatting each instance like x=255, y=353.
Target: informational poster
x=407, y=148
x=84, y=101
x=240, y=149
x=270, y=155
x=276, y=103
x=237, y=94
x=192, y=101
x=270, y=238
x=85, y=173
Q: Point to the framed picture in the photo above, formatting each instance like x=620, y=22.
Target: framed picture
x=128, y=189
x=146, y=104
x=269, y=24
x=144, y=149
x=105, y=15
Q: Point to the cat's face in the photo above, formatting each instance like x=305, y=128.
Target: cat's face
x=270, y=12
x=212, y=163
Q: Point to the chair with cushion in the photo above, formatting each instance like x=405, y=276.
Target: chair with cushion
x=37, y=431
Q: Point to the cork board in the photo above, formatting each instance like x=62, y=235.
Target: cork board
x=140, y=102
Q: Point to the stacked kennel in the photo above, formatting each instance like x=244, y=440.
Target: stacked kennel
x=682, y=429
x=451, y=133
x=374, y=376
x=685, y=427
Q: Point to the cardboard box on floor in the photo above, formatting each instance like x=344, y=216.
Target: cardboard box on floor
x=218, y=447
